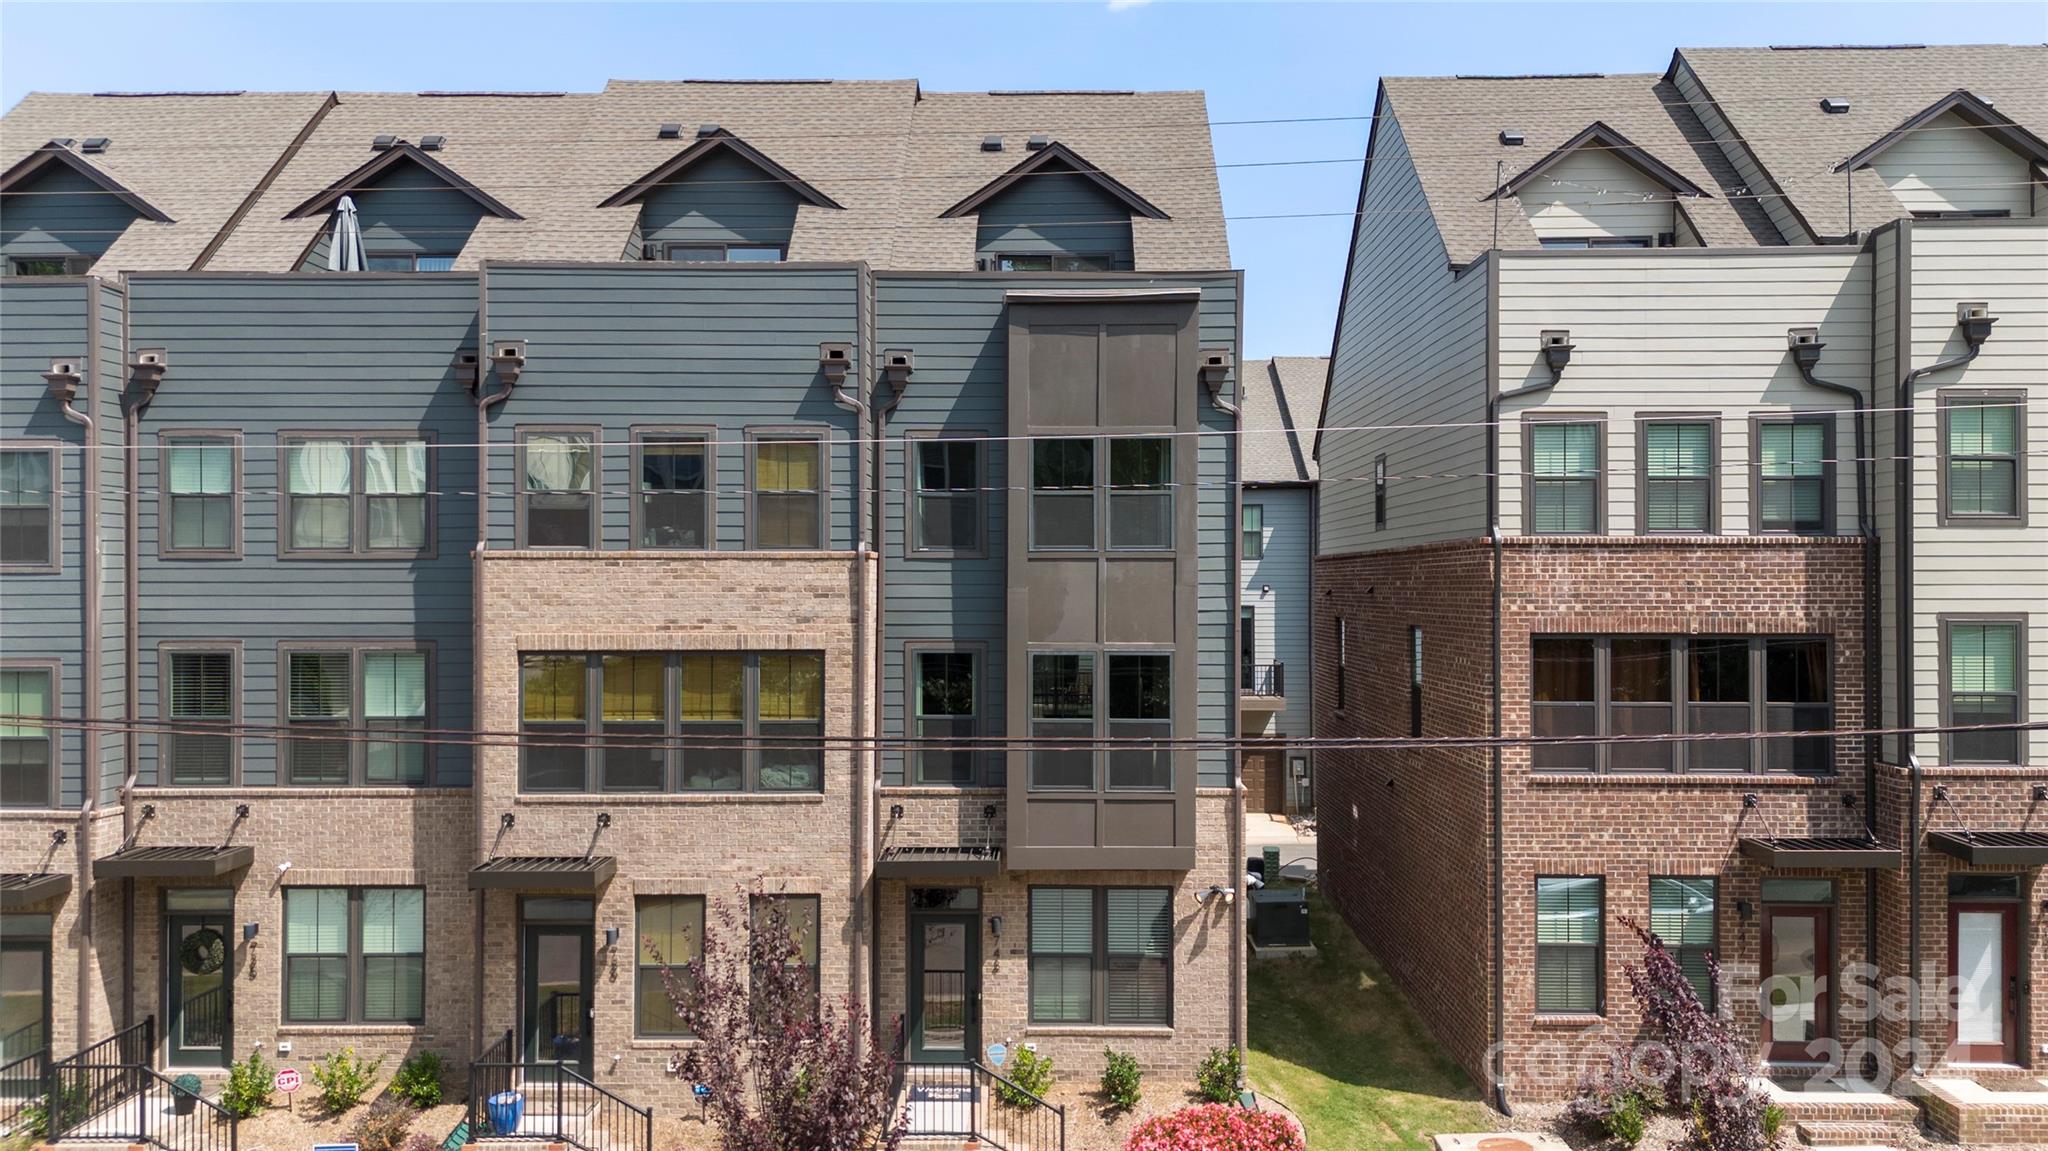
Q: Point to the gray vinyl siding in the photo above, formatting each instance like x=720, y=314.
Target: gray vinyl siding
x=719, y=200
x=1054, y=211
x=61, y=214
x=1281, y=622
x=1968, y=568
x=409, y=210
x=265, y=354
x=618, y=346
x=1884, y=377
x=42, y=318
x=113, y=471
x=1411, y=352
x=956, y=326
x=1777, y=207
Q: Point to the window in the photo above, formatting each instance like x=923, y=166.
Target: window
x=202, y=686
x=28, y=508
x=1682, y=915
x=1062, y=262
x=1982, y=686
x=694, y=721
x=1717, y=699
x=1141, y=493
x=1343, y=646
x=1794, y=476
x=200, y=479
x=788, y=493
x=944, y=708
x=54, y=265
x=1101, y=955
x=1569, y=946
x=947, y=515
x=1981, y=454
x=354, y=955
x=326, y=745
x=800, y=915
x=1379, y=492
x=674, y=498
x=408, y=261
x=1063, y=708
x=1678, y=477
x=28, y=750
x=1415, y=683
x=1140, y=707
x=356, y=495
x=725, y=253
x=1063, y=494
x=1598, y=241
x=1562, y=702
x=1254, y=525
x=1796, y=699
x=557, y=494
x=1564, y=477
x=671, y=935
x=1640, y=702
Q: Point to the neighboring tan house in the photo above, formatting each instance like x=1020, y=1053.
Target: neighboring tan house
x=1276, y=571
x=810, y=411
x=1660, y=288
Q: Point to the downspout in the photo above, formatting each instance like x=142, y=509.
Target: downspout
x=484, y=403
x=1918, y=776
x=131, y=599
x=865, y=760
x=64, y=388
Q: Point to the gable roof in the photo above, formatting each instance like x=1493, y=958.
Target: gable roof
x=1599, y=135
x=374, y=169
x=54, y=153
x=1281, y=399
x=1055, y=153
x=1971, y=110
x=719, y=140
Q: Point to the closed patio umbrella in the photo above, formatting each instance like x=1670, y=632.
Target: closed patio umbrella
x=346, y=253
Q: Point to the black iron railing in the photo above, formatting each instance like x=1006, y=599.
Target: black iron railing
x=203, y=1019
x=1263, y=679
x=100, y=1078
x=22, y=1081
x=970, y=1101
x=550, y=1101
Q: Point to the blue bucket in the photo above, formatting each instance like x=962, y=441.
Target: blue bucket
x=504, y=1111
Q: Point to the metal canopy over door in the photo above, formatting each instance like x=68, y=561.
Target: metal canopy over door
x=1799, y=955
x=1983, y=954
x=557, y=971
x=198, y=986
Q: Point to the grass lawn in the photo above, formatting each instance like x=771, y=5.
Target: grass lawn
x=1333, y=1039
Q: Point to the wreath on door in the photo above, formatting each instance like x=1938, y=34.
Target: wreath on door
x=203, y=952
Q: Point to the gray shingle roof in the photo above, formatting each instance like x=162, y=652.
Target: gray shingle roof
x=1282, y=399
x=1771, y=96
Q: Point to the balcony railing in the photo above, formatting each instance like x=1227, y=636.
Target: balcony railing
x=1263, y=679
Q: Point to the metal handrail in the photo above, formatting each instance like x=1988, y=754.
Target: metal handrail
x=197, y=1131
x=961, y=1101
x=596, y=1130
x=23, y=1081
x=99, y=1078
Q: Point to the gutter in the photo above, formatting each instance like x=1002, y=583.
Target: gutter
x=89, y=623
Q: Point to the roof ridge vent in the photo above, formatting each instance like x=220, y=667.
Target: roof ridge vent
x=1833, y=105
x=1845, y=47
x=1533, y=76
x=1038, y=141
x=94, y=145
x=137, y=95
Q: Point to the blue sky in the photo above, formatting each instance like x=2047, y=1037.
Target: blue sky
x=1255, y=62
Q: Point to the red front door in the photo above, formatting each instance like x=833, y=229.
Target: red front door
x=1799, y=962
x=1984, y=959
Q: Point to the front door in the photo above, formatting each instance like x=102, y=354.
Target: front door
x=945, y=987
x=557, y=993
x=198, y=988
x=24, y=998
x=1799, y=953
x=1983, y=952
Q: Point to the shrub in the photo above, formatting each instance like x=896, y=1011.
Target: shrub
x=1031, y=1072
x=1607, y=1109
x=418, y=1080
x=386, y=1126
x=1216, y=1127
x=1120, y=1076
x=248, y=1087
x=343, y=1079
x=1713, y=1065
x=1217, y=1078
x=185, y=1085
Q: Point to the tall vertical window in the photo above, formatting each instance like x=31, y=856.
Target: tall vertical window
x=317, y=716
x=1141, y=493
x=553, y=704
x=674, y=500
x=1682, y=915
x=1139, y=946
x=1101, y=955
x=1254, y=527
x=1415, y=682
x=1678, y=476
x=199, y=481
x=1796, y=699
x=1641, y=702
x=395, y=506
x=317, y=486
x=1793, y=476
x=393, y=953
x=316, y=938
x=789, y=483
x=27, y=748
x=1983, y=687
x=557, y=490
x=1062, y=955
x=791, y=721
x=1379, y=492
x=354, y=955
x=1063, y=709
x=1981, y=456
x=1140, y=707
x=945, y=707
x=1563, y=702
x=394, y=703
x=1718, y=699
x=671, y=936
x=633, y=691
x=1564, y=477
x=714, y=718
x=946, y=516
x=1063, y=494
x=1343, y=659
x=201, y=692
x=1569, y=945
x=28, y=508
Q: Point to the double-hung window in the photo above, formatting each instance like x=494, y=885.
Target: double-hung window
x=1682, y=915
x=789, y=706
x=1141, y=494
x=1563, y=702
x=1678, y=476
x=1569, y=945
x=1101, y=955
x=1796, y=699
x=28, y=750
x=946, y=707
x=557, y=489
x=318, y=709
x=1982, y=686
x=947, y=513
x=633, y=694
x=355, y=495
x=1794, y=475
x=1063, y=710
x=201, y=691
x=1564, y=476
x=1253, y=523
x=1140, y=708
x=354, y=955
x=1063, y=494
x=788, y=492
x=1981, y=457
x=673, y=505
x=671, y=936
x=327, y=690
x=199, y=483
x=28, y=508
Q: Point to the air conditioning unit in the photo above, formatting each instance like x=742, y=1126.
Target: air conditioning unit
x=1279, y=917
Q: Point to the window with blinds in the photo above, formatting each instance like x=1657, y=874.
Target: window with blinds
x=1682, y=915
x=356, y=495
x=201, y=691
x=1678, y=477
x=1139, y=946
x=355, y=955
x=351, y=715
x=1569, y=945
x=1982, y=686
x=788, y=493
x=394, y=703
x=316, y=954
x=1564, y=477
x=1062, y=949
x=1981, y=460
x=317, y=717
x=28, y=507
x=671, y=936
x=1101, y=955
x=633, y=712
x=199, y=483
x=1793, y=476
x=1253, y=517
x=27, y=748
x=557, y=489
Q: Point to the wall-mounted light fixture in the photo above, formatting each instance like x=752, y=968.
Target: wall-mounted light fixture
x=59, y=837
x=249, y=931
x=895, y=811
x=611, y=938
x=284, y=866
x=1743, y=910
x=64, y=376
x=995, y=926
x=506, y=821
x=1557, y=351
x=2041, y=793
x=604, y=820
x=1749, y=801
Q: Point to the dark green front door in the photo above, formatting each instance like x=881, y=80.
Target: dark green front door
x=945, y=987
x=198, y=989
x=557, y=993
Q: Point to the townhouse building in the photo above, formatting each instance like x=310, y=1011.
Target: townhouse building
x=1688, y=406
x=693, y=494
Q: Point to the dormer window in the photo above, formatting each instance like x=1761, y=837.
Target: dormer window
x=1054, y=212
x=689, y=253
x=409, y=262
x=1957, y=159
x=1599, y=190
x=59, y=213
x=411, y=213
x=720, y=200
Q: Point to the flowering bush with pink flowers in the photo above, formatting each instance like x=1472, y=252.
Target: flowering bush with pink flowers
x=1216, y=1127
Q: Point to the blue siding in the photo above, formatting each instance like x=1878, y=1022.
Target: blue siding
x=265, y=354
x=1282, y=620
x=1055, y=211
x=409, y=210
x=114, y=471
x=61, y=213
x=721, y=199
x=620, y=346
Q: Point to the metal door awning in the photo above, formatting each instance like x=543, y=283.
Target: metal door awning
x=20, y=890
x=172, y=862
x=1831, y=853
x=2025, y=848
x=543, y=873
x=938, y=862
